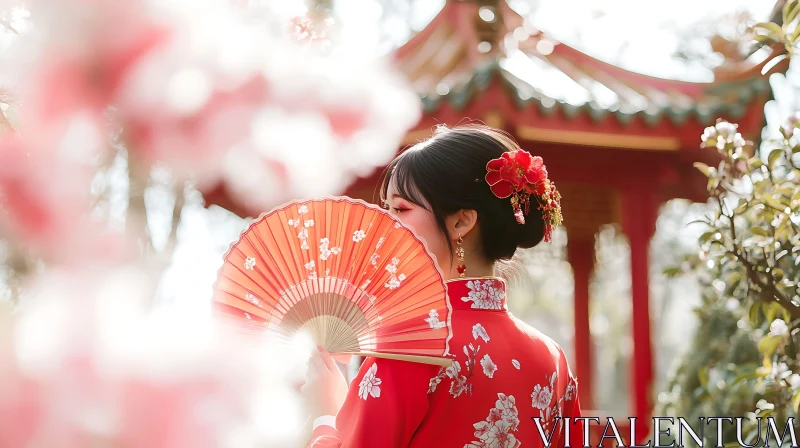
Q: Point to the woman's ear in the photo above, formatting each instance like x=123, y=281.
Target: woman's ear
x=461, y=222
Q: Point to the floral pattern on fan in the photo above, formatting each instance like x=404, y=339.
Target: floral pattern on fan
x=251, y=298
x=359, y=235
x=325, y=250
x=303, y=236
x=312, y=274
x=433, y=320
x=394, y=280
x=373, y=259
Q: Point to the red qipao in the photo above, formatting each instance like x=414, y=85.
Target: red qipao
x=505, y=374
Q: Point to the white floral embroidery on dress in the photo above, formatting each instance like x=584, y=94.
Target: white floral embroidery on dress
x=485, y=295
x=359, y=235
x=542, y=399
x=309, y=223
x=370, y=385
x=489, y=367
x=444, y=372
x=495, y=431
x=515, y=363
x=460, y=383
x=394, y=280
x=249, y=263
x=302, y=210
x=479, y=332
x=325, y=251
x=572, y=388
x=294, y=222
x=433, y=320
x=541, y=396
x=433, y=383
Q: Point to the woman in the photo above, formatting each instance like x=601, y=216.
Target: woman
x=474, y=197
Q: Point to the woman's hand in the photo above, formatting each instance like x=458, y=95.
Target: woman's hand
x=325, y=388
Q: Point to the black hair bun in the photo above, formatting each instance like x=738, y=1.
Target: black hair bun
x=532, y=232
x=502, y=234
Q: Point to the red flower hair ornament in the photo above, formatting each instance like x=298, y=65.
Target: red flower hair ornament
x=519, y=175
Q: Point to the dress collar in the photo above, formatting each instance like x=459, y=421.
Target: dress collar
x=477, y=293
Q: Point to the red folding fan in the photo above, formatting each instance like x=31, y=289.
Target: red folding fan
x=346, y=272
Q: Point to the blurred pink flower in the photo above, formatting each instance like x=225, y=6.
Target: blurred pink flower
x=89, y=49
x=45, y=203
x=193, y=144
x=64, y=84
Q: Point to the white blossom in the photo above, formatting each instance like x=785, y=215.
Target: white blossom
x=739, y=141
x=778, y=328
x=709, y=133
x=726, y=130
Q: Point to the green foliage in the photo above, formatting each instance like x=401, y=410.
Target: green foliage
x=744, y=358
x=786, y=34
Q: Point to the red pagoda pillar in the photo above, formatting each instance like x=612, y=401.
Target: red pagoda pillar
x=580, y=254
x=639, y=212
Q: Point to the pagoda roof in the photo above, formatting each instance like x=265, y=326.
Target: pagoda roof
x=479, y=59
x=459, y=55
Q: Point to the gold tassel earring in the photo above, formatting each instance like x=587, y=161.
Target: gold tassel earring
x=461, y=268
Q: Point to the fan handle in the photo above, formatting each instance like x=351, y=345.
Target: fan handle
x=432, y=360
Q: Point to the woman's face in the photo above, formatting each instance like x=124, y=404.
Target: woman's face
x=422, y=221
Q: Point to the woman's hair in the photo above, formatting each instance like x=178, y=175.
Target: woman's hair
x=447, y=171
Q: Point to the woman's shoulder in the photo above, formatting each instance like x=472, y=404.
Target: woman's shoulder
x=540, y=338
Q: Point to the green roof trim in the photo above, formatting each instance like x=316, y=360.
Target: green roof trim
x=706, y=112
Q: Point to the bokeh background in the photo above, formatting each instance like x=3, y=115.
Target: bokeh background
x=139, y=139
